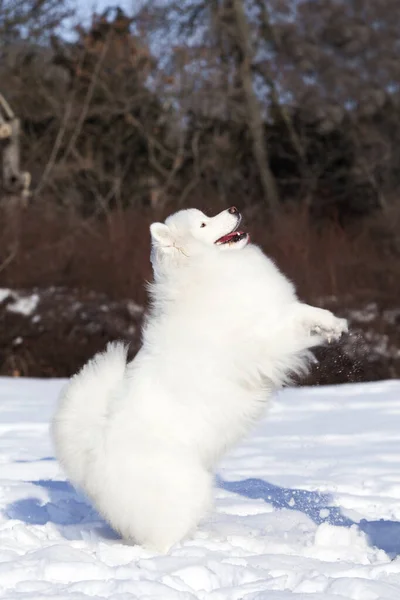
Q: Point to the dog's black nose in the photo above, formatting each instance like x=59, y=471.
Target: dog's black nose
x=233, y=210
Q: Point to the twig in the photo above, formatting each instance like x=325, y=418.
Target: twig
x=60, y=135
x=88, y=97
x=7, y=261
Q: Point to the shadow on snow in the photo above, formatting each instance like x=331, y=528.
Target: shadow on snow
x=75, y=517
x=319, y=507
x=67, y=508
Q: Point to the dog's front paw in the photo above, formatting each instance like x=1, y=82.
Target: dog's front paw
x=329, y=327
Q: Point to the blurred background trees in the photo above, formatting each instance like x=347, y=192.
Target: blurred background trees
x=260, y=102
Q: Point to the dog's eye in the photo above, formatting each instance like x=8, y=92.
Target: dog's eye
x=203, y=225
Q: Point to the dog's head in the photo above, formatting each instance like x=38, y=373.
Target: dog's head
x=190, y=232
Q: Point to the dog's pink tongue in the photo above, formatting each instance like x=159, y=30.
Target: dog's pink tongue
x=226, y=238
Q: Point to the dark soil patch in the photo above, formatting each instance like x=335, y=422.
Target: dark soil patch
x=64, y=329
x=52, y=332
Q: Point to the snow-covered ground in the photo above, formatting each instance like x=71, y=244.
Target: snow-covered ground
x=308, y=506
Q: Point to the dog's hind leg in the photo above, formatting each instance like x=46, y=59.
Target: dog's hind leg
x=176, y=509
x=160, y=504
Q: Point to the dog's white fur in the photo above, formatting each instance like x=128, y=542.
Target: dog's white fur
x=225, y=330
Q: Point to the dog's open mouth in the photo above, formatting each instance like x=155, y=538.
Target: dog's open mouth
x=231, y=238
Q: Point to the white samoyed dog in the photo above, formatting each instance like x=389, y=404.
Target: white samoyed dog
x=225, y=330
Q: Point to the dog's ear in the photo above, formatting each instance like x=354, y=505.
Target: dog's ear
x=161, y=234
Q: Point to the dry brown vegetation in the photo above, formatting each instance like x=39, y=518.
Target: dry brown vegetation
x=87, y=273
x=111, y=255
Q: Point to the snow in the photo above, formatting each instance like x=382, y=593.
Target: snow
x=21, y=304
x=4, y=293
x=307, y=507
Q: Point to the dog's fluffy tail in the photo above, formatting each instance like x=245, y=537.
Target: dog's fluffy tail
x=78, y=425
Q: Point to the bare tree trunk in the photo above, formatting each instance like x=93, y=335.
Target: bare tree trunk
x=269, y=32
x=14, y=180
x=253, y=108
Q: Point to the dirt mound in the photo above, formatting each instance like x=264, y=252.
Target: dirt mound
x=51, y=332
x=370, y=352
